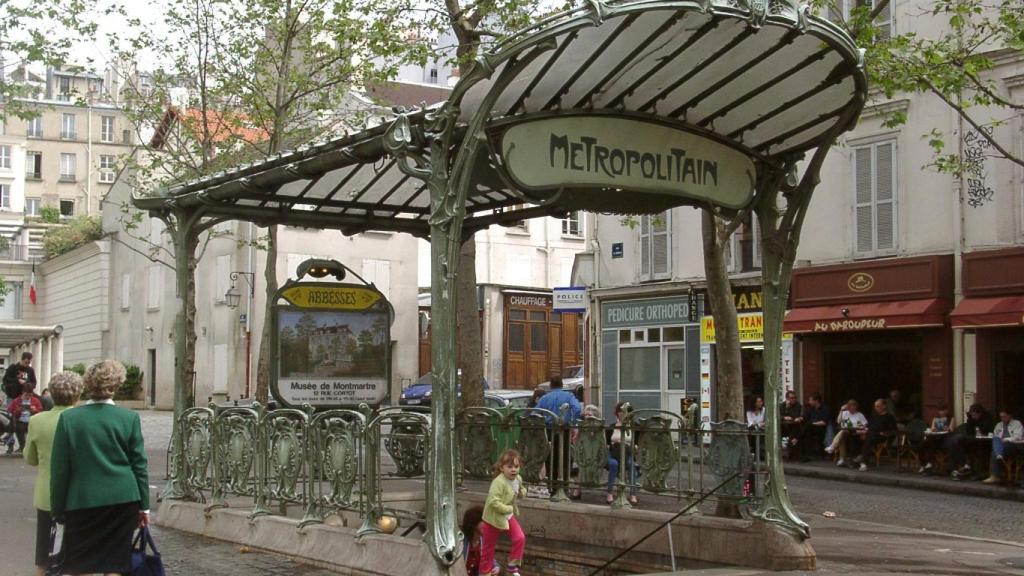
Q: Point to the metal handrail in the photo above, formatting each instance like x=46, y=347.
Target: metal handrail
x=664, y=524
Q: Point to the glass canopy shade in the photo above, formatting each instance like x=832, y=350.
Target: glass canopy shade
x=771, y=88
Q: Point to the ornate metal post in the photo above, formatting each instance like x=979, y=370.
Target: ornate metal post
x=448, y=190
x=778, y=253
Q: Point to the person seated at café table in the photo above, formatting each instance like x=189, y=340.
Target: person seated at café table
x=978, y=424
x=851, y=421
x=792, y=417
x=1007, y=441
x=816, y=419
x=881, y=428
x=935, y=438
x=898, y=407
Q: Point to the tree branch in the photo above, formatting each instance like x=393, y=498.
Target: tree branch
x=967, y=117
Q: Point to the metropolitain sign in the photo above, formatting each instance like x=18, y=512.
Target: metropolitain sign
x=580, y=151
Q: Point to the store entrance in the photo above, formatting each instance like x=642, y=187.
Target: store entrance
x=1009, y=373
x=866, y=375
x=752, y=364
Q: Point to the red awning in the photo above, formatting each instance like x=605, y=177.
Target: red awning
x=989, y=312
x=925, y=313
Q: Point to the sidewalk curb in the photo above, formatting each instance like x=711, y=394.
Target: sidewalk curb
x=907, y=480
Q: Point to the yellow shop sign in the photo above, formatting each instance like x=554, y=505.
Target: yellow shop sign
x=331, y=297
x=751, y=328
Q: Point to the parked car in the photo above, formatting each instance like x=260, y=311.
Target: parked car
x=420, y=392
x=572, y=379
x=508, y=398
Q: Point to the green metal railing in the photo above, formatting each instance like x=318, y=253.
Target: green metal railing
x=336, y=461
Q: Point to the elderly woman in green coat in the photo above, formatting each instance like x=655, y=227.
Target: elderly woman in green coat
x=99, y=484
x=65, y=388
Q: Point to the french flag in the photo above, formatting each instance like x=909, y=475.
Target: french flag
x=32, y=286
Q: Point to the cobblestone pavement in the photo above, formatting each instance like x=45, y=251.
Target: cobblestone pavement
x=877, y=529
x=185, y=554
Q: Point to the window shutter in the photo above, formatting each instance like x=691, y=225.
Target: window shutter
x=154, y=286
x=885, y=213
x=864, y=209
x=661, y=233
x=378, y=272
x=645, y=247
x=126, y=291
x=884, y=22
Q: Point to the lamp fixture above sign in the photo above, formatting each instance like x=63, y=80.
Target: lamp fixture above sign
x=588, y=152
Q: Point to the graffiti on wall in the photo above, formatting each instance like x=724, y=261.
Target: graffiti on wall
x=976, y=149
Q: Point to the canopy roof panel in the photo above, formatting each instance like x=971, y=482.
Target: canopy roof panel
x=771, y=86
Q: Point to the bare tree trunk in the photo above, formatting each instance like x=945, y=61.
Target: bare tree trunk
x=728, y=363
x=469, y=345
x=270, y=277
x=728, y=367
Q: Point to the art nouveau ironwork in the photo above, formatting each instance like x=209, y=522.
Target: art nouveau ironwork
x=764, y=78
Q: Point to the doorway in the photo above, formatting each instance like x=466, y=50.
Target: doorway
x=865, y=375
x=675, y=377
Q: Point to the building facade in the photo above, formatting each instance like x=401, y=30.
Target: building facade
x=906, y=277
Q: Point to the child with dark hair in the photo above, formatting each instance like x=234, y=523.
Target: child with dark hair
x=472, y=543
x=499, y=514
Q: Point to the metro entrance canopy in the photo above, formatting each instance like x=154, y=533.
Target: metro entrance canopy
x=624, y=107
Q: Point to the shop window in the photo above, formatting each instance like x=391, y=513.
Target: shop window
x=517, y=314
x=516, y=337
x=538, y=337
x=875, y=191
x=640, y=368
x=638, y=336
x=654, y=334
x=655, y=246
x=538, y=316
x=624, y=337
x=673, y=334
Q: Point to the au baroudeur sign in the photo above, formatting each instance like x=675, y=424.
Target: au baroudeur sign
x=629, y=154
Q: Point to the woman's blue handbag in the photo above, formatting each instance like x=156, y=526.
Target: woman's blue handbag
x=144, y=563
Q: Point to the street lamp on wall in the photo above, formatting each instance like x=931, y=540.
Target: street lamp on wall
x=233, y=297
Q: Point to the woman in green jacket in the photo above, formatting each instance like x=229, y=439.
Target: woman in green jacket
x=99, y=483
x=65, y=388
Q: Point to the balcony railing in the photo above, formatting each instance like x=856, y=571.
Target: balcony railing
x=16, y=252
x=33, y=175
x=68, y=135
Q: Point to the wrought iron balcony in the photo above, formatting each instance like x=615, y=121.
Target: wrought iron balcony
x=16, y=252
